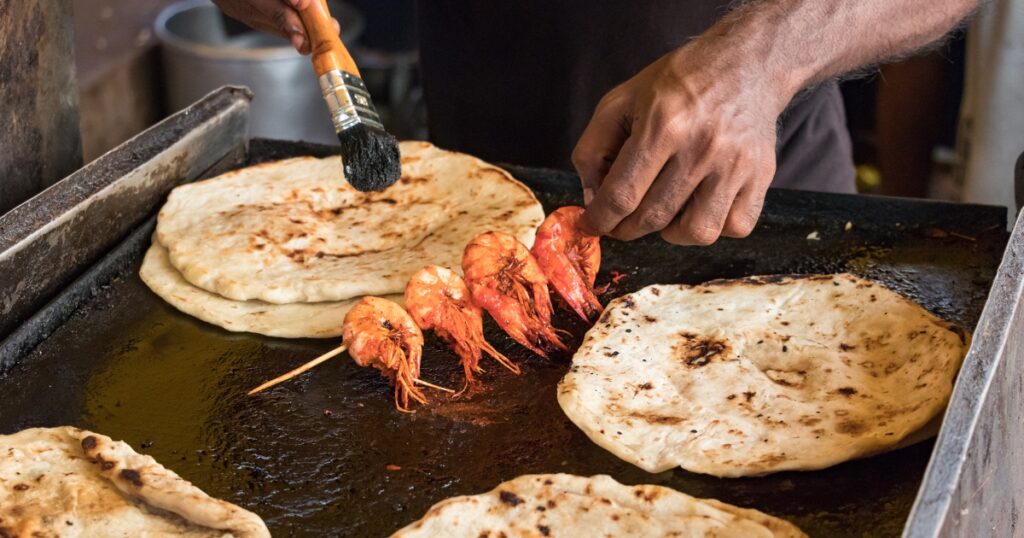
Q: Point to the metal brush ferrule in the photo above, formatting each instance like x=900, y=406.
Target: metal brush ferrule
x=348, y=100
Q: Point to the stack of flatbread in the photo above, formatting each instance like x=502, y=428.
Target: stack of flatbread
x=71, y=482
x=563, y=505
x=285, y=248
x=757, y=375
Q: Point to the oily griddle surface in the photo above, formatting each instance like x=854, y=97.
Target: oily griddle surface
x=316, y=456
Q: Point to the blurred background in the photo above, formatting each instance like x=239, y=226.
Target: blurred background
x=139, y=61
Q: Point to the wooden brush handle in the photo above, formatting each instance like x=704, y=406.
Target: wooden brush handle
x=329, y=52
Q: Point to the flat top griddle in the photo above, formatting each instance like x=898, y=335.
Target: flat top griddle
x=311, y=456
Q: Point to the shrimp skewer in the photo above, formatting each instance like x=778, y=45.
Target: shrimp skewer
x=437, y=298
x=378, y=333
x=381, y=334
x=570, y=259
x=506, y=281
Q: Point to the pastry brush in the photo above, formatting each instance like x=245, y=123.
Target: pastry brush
x=369, y=153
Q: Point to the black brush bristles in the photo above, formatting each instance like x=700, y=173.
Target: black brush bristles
x=371, y=158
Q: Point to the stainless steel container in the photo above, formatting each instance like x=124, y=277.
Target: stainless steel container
x=199, y=56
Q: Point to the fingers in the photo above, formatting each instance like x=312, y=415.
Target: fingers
x=745, y=211
x=285, y=19
x=705, y=214
x=663, y=200
x=624, y=187
x=599, y=144
x=276, y=17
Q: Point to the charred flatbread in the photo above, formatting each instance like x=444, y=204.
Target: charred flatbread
x=563, y=505
x=70, y=482
x=296, y=320
x=758, y=375
x=294, y=231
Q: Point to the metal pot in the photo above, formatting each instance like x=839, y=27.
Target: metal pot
x=200, y=55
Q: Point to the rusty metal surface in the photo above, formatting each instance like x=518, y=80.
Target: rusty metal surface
x=310, y=456
x=39, y=138
x=77, y=220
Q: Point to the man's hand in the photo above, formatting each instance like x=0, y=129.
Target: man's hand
x=691, y=130
x=687, y=146
x=277, y=17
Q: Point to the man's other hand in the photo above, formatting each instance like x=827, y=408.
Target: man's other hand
x=277, y=17
x=685, y=148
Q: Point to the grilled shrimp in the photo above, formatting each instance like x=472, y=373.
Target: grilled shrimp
x=506, y=281
x=570, y=259
x=381, y=334
x=437, y=298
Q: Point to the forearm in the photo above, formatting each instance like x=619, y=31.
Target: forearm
x=798, y=43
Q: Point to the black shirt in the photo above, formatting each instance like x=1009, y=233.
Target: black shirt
x=517, y=80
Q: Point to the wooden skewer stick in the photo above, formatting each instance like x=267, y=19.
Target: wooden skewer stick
x=304, y=368
x=323, y=358
x=433, y=386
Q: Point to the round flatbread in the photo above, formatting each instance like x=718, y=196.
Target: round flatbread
x=563, y=505
x=297, y=320
x=70, y=482
x=762, y=374
x=295, y=231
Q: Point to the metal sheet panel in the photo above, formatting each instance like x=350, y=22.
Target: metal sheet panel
x=974, y=485
x=55, y=236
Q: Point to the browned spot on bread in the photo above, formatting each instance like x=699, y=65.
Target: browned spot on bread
x=645, y=494
x=847, y=391
x=650, y=319
x=89, y=443
x=697, y=351
x=509, y=498
x=656, y=291
x=645, y=386
x=772, y=459
x=133, y=476
x=851, y=427
x=20, y=487
x=653, y=418
x=544, y=530
x=845, y=347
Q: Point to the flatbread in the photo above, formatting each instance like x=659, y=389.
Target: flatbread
x=70, y=482
x=758, y=375
x=563, y=505
x=297, y=320
x=294, y=231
